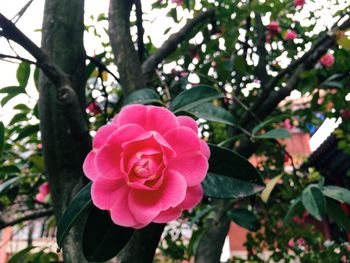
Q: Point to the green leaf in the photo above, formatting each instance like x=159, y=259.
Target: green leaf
x=244, y=218
x=18, y=117
x=9, y=169
x=210, y=112
x=22, y=107
x=337, y=214
x=7, y=98
x=143, y=96
x=78, y=207
x=337, y=193
x=274, y=134
x=13, y=90
x=267, y=122
x=5, y=185
x=27, y=131
x=23, y=72
x=20, y=256
x=38, y=161
x=102, y=239
x=294, y=207
x=230, y=140
x=193, y=97
x=2, y=138
x=224, y=187
x=314, y=201
x=269, y=187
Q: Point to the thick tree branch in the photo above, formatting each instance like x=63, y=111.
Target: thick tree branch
x=170, y=45
x=140, y=30
x=125, y=55
x=8, y=219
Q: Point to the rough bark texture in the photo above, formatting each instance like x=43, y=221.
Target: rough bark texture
x=64, y=148
x=125, y=55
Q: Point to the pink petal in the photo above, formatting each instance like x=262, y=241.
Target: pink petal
x=107, y=162
x=89, y=167
x=125, y=133
x=135, y=113
x=40, y=198
x=102, y=135
x=193, y=197
x=44, y=189
x=192, y=166
x=205, y=149
x=104, y=192
x=146, y=205
x=188, y=122
x=182, y=140
x=168, y=215
x=161, y=119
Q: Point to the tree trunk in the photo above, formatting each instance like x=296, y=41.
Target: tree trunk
x=64, y=151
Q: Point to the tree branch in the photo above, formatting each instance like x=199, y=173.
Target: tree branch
x=4, y=56
x=170, y=45
x=261, y=71
x=140, y=30
x=8, y=220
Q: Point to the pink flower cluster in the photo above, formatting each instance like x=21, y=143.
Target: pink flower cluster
x=147, y=166
x=44, y=191
x=300, y=3
x=290, y=35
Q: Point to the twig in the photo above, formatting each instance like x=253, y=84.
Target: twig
x=21, y=12
x=102, y=66
x=140, y=30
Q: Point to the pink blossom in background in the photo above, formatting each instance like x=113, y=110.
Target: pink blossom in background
x=301, y=241
x=291, y=243
x=300, y=3
x=287, y=124
x=93, y=108
x=327, y=60
x=274, y=27
x=147, y=166
x=44, y=191
x=290, y=35
x=178, y=2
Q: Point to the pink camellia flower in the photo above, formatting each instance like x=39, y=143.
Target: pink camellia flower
x=274, y=27
x=327, y=60
x=290, y=35
x=301, y=242
x=291, y=243
x=147, y=166
x=300, y=3
x=44, y=191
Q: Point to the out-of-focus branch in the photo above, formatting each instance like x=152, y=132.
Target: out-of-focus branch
x=21, y=12
x=170, y=45
x=125, y=55
x=102, y=66
x=140, y=30
x=261, y=71
x=8, y=219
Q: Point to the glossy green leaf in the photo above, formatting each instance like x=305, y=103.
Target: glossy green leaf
x=143, y=96
x=9, y=169
x=210, y=112
x=102, y=239
x=224, y=187
x=5, y=185
x=2, y=138
x=337, y=193
x=23, y=73
x=267, y=122
x=279, y=133
x=20, y=256
x=78, y=207
x=18, y=117
x=27, y=131
x=244, y=218
x=337, y=214
x=193, y=97
x=314, y=201
x=294, y=207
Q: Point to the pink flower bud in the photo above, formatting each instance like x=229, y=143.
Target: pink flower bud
x=327, y=60
x=290, y=35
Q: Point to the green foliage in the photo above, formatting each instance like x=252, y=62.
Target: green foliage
x=314, y=201
x=244, y=218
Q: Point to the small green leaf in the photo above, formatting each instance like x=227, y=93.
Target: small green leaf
x=38, y=161
x=314, y=201
x=79, y=206
x=244, y=218
x=102, y=239
x=7, y=98
x=295, y=206
x=224, y=187
x=20, y=256
x=193, y=97
x=27, y=131
x=337, y=193
x=337, y=214
x=210, y=112
x=267, y=122
x=22, y=107
x=9, y=169
x=5, y=185
x=2, y=138
x=143, y=96
x=279, y=133
x=23, y=72
x=13, y=90
x=18, y=117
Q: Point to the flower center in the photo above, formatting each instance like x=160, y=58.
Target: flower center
x=142, y=168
